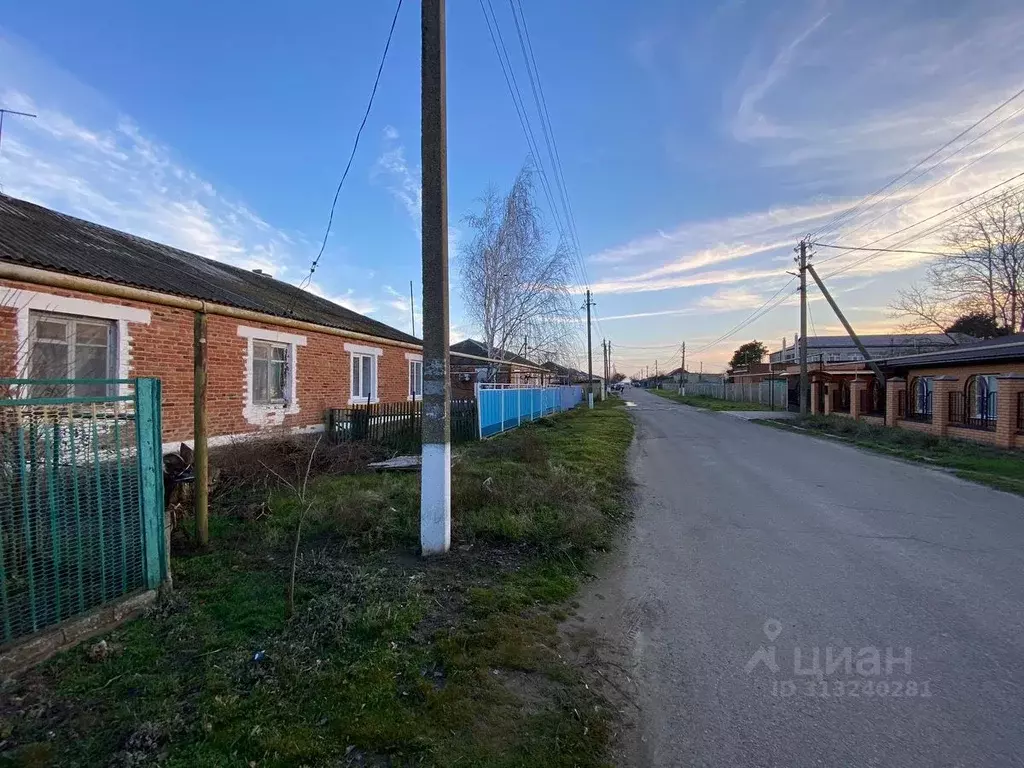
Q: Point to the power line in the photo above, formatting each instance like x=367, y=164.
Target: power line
x=757, y=314
x=931, y=230
x=941, y=179
x=505, y=61
x=355, y=146
x=881, y=250
x=933, y=216
x=845, y=216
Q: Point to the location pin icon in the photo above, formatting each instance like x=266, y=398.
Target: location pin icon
x=772, y=629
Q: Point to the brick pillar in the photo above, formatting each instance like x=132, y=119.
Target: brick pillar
x=1009, y=385
x=944, y=387
x=857, y=389
x=893, y=387
x=829, y=394
x=815, y=390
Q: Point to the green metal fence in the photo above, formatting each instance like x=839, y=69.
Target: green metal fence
x=81, y=498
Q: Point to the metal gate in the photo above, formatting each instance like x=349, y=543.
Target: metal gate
x=81, y=498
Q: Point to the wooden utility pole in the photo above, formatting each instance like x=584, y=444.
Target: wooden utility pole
x=435, y=475
x=804, y=383
x=590, y=358
x=201, y=455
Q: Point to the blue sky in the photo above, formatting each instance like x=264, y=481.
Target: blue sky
x=698, y=140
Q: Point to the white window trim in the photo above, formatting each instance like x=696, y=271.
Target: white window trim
x=32, y=301
x=414, y=358
x=361, y=349
x=271, y=414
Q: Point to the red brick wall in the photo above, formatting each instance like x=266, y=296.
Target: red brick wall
x=163, y=349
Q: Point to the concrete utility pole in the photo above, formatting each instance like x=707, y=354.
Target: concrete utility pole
x=590, y=358
x=435, y=476
x=804, y=383
x=682, y=367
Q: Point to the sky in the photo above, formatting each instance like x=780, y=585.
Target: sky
x=698, y=142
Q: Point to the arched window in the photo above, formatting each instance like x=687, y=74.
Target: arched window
x=874, y=397
x=921, y=389
x=981, y=391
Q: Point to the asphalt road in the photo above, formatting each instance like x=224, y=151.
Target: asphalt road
x=740, y=524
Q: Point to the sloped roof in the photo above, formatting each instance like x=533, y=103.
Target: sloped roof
x=1000, y=348
x=892, y=340
x=34, y=236
x=478, y=348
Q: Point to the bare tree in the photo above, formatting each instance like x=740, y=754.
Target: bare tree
x=982, y=271
x=514, y=281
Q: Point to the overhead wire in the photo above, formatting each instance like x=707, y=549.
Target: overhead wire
x=844, y=216
x=517, y=101
x=355, y=145
x=932, y=217
x=946, y=177
x=930, y=231
x=754, y=316
x=551, y=143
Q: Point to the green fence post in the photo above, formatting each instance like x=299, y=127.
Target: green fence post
x=151, y=479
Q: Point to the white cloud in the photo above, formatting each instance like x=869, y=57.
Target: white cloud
x=402, y=180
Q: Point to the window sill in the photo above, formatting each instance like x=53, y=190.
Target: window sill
x=411, y=398
x=362, y=401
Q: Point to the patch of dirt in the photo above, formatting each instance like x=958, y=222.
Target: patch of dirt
x=536, y=692
x=599, y=641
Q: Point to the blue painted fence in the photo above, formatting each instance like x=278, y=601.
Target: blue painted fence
x=504, y=407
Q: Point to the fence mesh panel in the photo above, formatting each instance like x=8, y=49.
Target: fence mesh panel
x=71, y=533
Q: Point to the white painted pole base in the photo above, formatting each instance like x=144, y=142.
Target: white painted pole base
x=436, y=499
x=590, y=399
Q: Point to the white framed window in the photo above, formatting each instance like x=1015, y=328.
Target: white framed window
x=364, y=378
x=271, y=375
x=415, y=379
x=362, y=373
x=270, y=363
x=68, y=347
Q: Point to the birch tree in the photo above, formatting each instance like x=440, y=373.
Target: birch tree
x=515, y=280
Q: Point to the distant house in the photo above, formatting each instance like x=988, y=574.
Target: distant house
x=970, y=392
x=83, y=301
x=561, y=374
x=836, y=349
x=470, y=364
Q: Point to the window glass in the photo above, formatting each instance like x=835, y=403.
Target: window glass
x=356, y=378
x=269, y=372
x=364, y=377
x=415, y=378
x=367, y=377
x=71, y=348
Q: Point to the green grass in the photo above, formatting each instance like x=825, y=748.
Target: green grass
x=972, y=461
x=390, y=659
x=709, y=403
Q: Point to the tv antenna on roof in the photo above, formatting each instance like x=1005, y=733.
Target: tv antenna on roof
x=10, y=112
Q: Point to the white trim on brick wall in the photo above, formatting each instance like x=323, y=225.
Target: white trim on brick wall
x=25, y=301
x=360, y=349
x=271, y=414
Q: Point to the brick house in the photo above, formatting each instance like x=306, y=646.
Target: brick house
x=971, y=392
x=79, y=300
x=470, y=364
